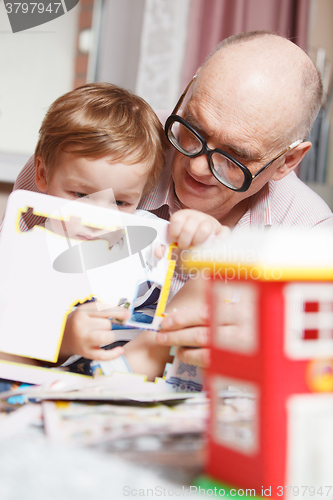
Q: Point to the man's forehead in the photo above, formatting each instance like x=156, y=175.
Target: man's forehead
x=252, y=102
x=222, y=134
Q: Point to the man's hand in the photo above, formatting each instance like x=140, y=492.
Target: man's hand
x=188, y=329
x=191, y=227
x=87, y=329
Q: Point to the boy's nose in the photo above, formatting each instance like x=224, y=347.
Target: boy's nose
x=103, y=199
x=94, y=232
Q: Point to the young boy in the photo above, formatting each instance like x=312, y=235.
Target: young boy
x=94, y=138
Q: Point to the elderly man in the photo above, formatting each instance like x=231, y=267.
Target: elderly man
x=238, y=140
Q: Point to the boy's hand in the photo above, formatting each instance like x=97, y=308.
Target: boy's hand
x=87, y=329
x=191, y=227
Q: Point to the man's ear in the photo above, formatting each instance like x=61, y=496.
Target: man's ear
x=291, y=160
x=40, y=175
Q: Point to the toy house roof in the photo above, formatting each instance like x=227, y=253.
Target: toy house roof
x=266, y=255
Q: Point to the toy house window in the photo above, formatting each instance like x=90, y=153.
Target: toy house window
x=228, y=296
x=235, y=414
x=309, y=320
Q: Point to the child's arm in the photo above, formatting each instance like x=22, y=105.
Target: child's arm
x=19, y=359
x=87, y=329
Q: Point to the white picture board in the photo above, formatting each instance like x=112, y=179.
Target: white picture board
x=45, y=274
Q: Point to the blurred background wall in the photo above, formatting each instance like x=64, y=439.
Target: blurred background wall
x=152, y=47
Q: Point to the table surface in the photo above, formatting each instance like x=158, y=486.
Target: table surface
x=34, y=467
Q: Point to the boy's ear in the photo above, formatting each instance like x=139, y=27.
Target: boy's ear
x=291, y=160
x=41, y=175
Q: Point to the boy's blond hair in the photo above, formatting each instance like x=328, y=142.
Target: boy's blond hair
x=98, y=120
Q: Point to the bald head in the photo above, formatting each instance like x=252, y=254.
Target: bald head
x=267, y=79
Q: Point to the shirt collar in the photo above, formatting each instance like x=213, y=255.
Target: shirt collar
x=163, y=194
x=260, y=208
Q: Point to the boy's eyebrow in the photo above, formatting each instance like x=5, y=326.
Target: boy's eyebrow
x=129, y=194
x=79, y=184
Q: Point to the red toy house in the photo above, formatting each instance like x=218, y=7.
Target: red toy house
x=276, y=437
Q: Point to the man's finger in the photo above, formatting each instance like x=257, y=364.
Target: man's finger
x=197, y=357
x=184, y=318
x=235, y=313
x=192, y=337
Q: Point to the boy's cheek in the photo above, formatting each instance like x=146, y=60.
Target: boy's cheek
x=56, y=226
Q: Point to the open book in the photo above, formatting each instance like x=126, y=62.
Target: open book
x=49, y=270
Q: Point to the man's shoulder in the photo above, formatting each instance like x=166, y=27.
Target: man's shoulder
x=293, y=203
x=160, y=193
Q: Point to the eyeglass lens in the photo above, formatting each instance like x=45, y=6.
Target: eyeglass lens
x=189, y=144
x=184, y=140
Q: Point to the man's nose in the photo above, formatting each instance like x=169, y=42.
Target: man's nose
x=199, y=165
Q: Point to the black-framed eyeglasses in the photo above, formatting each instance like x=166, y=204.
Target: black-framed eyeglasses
x=226, y=169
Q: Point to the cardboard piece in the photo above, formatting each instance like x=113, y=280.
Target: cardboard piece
x=45, y=274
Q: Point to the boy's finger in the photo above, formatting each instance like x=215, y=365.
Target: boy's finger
x=103, y=355
x=174, y=230
x=99, y=307
x=180, y=221
x=159, y=252
x=98, y=338
x=119, y=313
x=189, y=230
x=185, y=239
x=201, y=234
x=95, y=324
x=223, y=233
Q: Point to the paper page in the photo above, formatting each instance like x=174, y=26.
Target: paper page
x=45, y=273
